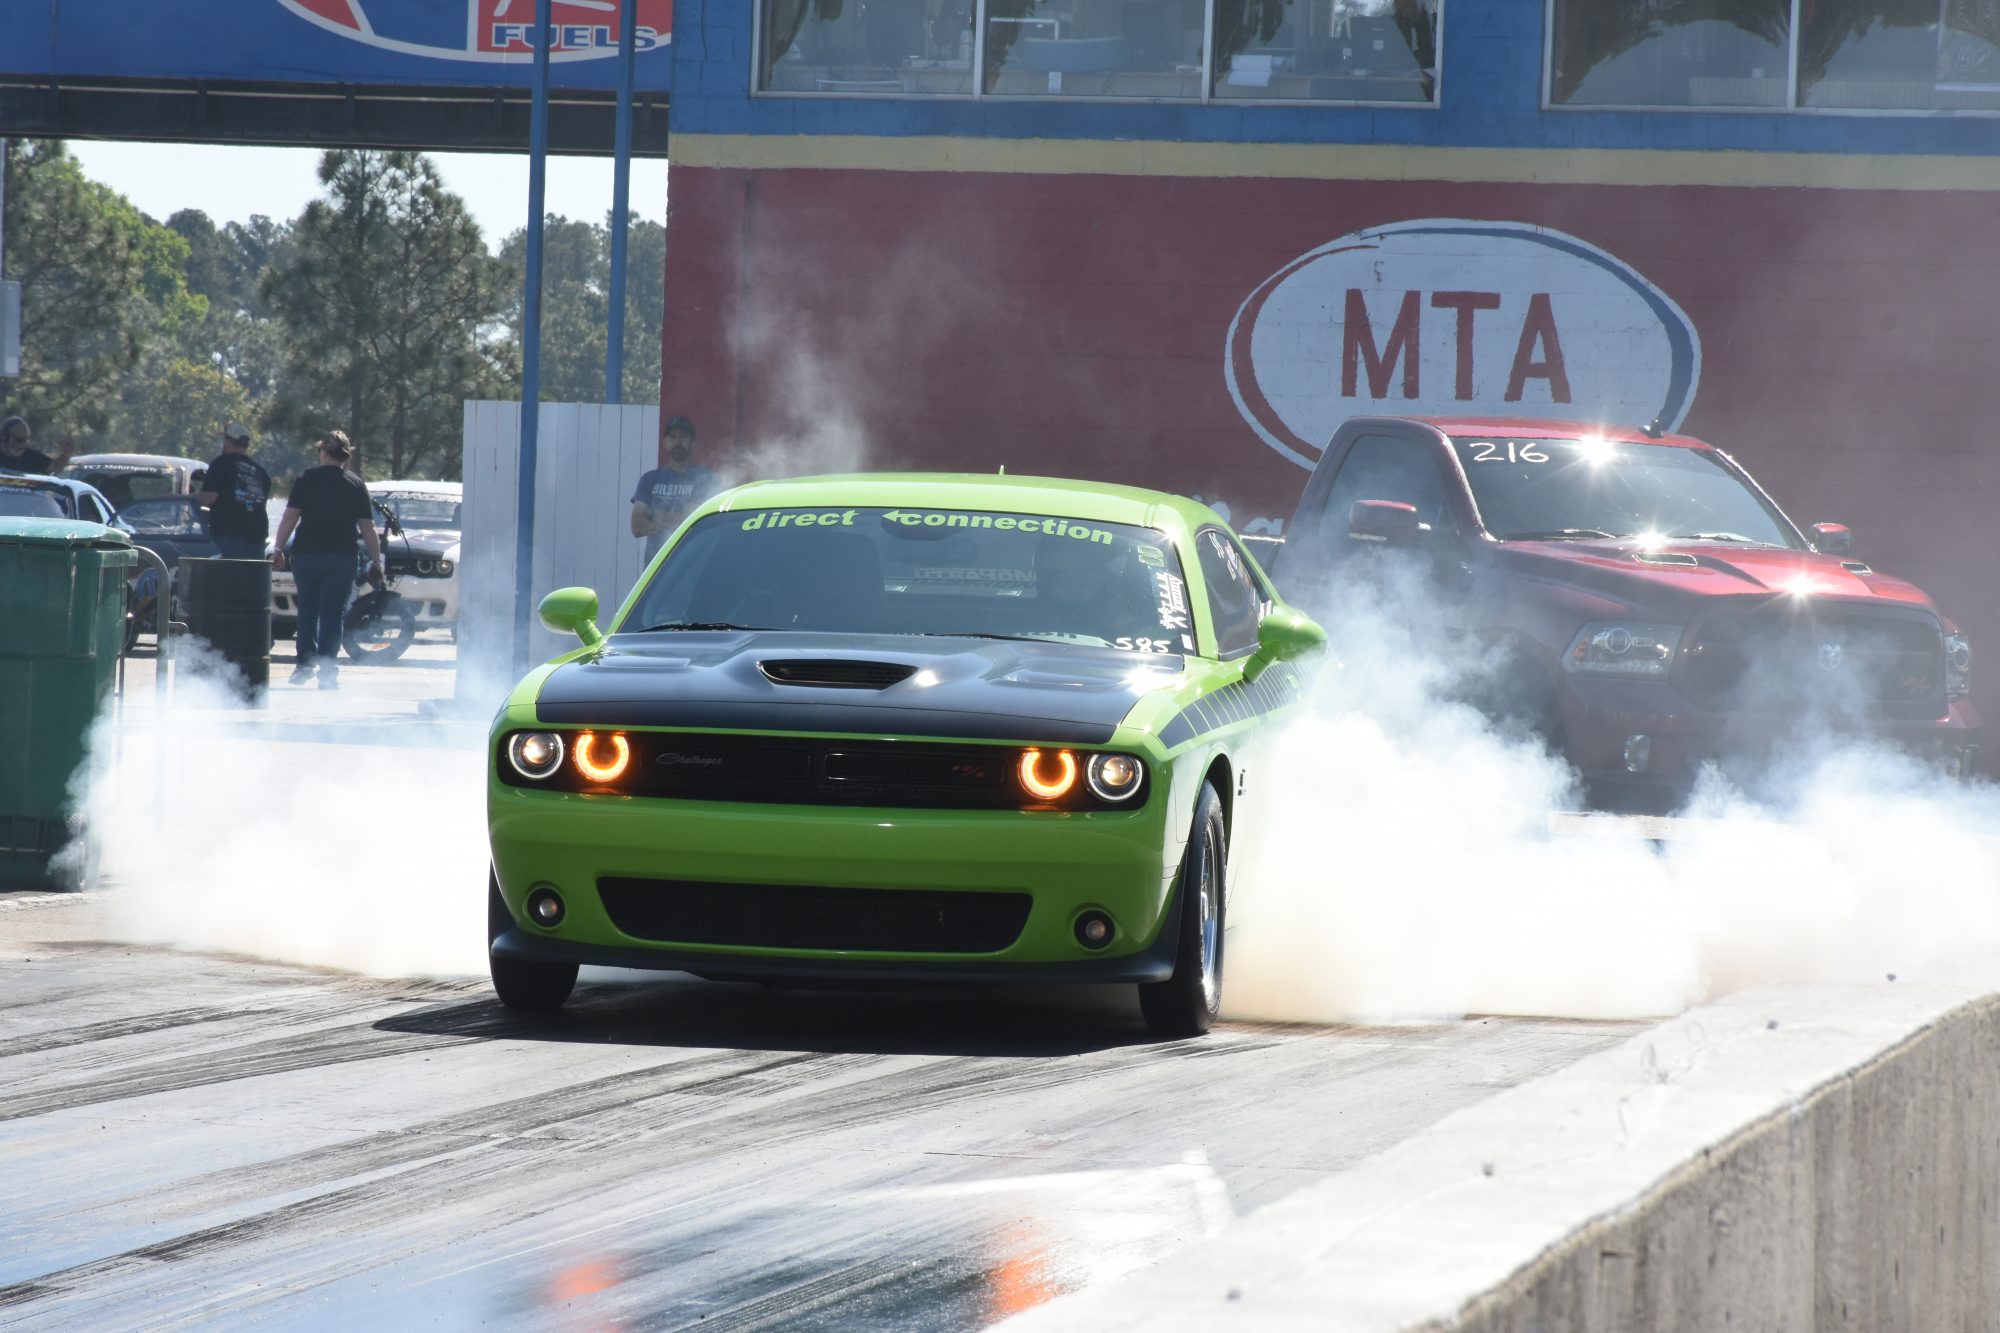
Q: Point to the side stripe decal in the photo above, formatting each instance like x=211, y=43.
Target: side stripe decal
x=1279, y=687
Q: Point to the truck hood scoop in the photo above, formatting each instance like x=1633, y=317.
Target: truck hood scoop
x=835, y=673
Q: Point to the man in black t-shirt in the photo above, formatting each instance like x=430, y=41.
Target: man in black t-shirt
x=16, y=456
x=234, y=491
x=330, y=508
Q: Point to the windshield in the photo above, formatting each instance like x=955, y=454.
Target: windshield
x=123, y=486
x=1548, y=489
x=421, y=511
x=18, y=501
x=924, y=571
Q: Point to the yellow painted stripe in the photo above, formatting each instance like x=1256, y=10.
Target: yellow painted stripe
x=1545, y=166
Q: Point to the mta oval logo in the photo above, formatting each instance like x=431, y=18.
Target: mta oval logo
x=486, y=29
x=1453, y=317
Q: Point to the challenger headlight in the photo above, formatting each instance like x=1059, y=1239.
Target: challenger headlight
x=445, y=568
x=1957, y=666
x=1623, y=648
x=602, y=758
x=535, y=755
x=1113, y=777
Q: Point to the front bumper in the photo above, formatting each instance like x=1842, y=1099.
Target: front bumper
x=1602, y=718
x=436, y=600
x=1121, y=863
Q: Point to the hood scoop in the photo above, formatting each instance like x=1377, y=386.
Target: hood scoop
x=835, y=673
x=1857, y=567
x=1681, y=558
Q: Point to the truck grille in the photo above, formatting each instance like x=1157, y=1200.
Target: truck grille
x=1779, y=657
x=800, y=916
x=712, y=766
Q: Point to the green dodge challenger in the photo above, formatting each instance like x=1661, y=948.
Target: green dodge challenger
x=919, y=727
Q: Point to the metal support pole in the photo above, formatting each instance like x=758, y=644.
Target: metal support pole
x=621, y=201
x=531, y=337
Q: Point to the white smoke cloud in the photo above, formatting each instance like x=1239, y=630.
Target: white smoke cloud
x=1408, y=860
x=225, y=830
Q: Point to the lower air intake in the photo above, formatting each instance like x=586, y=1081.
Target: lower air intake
x=797, y=916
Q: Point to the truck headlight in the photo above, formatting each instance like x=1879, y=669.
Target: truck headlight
x=1623, y=648
x=1957, y=666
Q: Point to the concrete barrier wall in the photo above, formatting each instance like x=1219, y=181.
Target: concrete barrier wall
x=1790, y=1158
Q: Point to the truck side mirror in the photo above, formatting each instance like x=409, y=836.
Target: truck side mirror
x=1832, y=538
x=1390, y=522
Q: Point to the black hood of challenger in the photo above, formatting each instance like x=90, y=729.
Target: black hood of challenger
x=858, y=683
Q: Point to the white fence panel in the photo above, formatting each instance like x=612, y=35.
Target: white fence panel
x=588, y=458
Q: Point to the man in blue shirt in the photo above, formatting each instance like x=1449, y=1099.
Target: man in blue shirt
x=664, y=496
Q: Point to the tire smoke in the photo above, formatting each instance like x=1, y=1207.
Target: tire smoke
x=1410, y=859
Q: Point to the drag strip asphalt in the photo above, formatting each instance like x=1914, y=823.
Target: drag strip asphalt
x=190, y=1140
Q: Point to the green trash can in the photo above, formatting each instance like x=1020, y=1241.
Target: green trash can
x=62, y=625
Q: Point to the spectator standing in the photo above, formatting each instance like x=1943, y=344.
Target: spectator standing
x=235, y=489
x=664, y=495
x=16, y=456
x=330, y=509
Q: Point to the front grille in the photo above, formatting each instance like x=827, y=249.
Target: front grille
x=837, y=673
x=1780, y=657
x=694, y=766
x=800, y=916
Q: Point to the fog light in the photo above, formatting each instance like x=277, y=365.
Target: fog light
x=545, y=906
x=1094, y=930
x=1638, y=753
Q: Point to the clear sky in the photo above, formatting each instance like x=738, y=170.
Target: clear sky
x=230, y=184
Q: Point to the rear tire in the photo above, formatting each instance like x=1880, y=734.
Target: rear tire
x=523, y=984
x=1186, y=1003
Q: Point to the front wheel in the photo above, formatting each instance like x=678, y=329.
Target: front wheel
x=523, y=984
x=1185, y=1004
x=379, y=627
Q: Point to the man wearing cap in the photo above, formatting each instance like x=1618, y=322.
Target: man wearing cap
x=664, y=495
x=234, y=492
x=16, y=456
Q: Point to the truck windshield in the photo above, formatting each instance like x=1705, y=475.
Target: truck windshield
x=1582, y=488
x=923, y=571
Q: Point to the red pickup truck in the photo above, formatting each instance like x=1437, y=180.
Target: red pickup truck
x=1648, y=606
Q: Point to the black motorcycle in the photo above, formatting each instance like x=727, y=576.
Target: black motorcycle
x=380, y=624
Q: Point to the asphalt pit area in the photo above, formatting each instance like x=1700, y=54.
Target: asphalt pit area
x=210, y=1141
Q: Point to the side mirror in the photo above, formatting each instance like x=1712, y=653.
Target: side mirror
x=573, y=611
x=1390, y=522
x=1282, y=636
x=1832, y=538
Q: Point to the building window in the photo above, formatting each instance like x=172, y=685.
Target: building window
x=1900, y=55
x=866, y=46
x=1326, y=50
x=1877, y=55
x=1671, y=53
x=1094, y=48
x=1263, y=50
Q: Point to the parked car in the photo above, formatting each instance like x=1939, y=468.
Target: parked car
x=171, y=526
x=33, y=495
x=423, y=559
x=127, y=478
x=935, y=728
x=1649, y=607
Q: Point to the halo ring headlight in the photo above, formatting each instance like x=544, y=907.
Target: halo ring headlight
x=535, y=755
x=593, y=761
x=1114, y=777
x=1039, y=782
